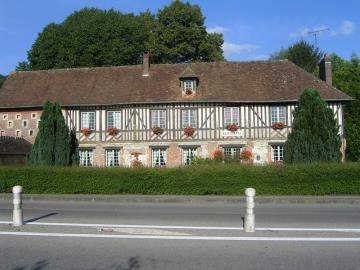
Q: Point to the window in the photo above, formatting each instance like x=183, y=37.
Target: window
x=278, y=114
x=189, y=118
x=18, y=116
x=5, y=117
x=114, y=119
x=25, y=123
x=33, y=116
x=231, y=116
x=2, y=133
x=158, y=118
x=31, y=132
x=158, y=157
x=10, y=124
x=86, y=157
x=112, y=157
x=188, y=155
x=18, y=133
x=232, y=153
x=88, y=120
x=277, y=153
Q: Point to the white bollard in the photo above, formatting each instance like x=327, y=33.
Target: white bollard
x=17, y=212
x=249, y=222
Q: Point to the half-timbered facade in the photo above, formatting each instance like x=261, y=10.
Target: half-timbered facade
x=143, y=114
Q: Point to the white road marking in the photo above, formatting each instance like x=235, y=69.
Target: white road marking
x=141, y=231
x=162, y=237
x=354, y=230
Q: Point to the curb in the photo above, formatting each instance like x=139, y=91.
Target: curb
x=187, y=199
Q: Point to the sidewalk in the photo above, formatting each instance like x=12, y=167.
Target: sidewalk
x=189, y=199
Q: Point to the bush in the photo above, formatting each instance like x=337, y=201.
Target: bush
x=216, y=179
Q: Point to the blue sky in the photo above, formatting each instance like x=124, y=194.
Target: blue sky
x=252, y=29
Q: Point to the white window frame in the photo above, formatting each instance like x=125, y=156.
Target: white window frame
x=88, y=120
x=25, y=125
x=5, y=117
x=33, y=115
x=189, y=118
x=189, y=84
x=231, y=115
x=158, y=157
x=158, y=118
x=278, y=114
x=86, y=157
x=112, y=157
x=116, y=119
x=18, y=116
x=11, y=122
x=18, y=133
x=277, y=152
x=232, y=152
x=189, y=154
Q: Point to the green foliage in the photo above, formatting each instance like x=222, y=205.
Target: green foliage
x=180, y=35
x=314, y=136
x=302, y=54
x=53, y=144
x=346, y=77
x=92, y=37
x=311, y=179
x=23, y=66
x=2, y=80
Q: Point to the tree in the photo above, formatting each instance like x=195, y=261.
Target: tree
x=302, y=54
x=346, y=77
x=180, y=35
x=53, y=144
x=23, y=66
x=2, y=80
x=314, y=136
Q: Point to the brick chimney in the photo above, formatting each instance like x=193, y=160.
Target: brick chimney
x=146, y=64
x=325, y=69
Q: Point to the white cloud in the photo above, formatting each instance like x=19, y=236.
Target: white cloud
x=347, y=27
x=217, y=29
x=233, y=48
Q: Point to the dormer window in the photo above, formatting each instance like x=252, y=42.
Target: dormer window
x=188, y=81
x=189, y=87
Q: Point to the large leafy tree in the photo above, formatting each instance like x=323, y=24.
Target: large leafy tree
x=346, y=77
x=302, y=54
x=314, y=136
x=2, y=79
x=54, y=145
x=91, y=37
x=180, y=35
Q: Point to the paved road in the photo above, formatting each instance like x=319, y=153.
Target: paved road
x=64, y=247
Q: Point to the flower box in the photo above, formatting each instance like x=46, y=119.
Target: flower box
x=189, y=131
x=113, y=131
x=86, y=131
x=278, y=125
x=188, y=91
x=232, y=127
x=157, y=130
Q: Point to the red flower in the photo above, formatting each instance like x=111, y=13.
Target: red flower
x=157, y=130
x=136, y=163
x=232, y=127
x=246, y=155
x=113, y=131
x=189, y=131
x=188, y=91
x=278, y=125
x=86, y=131
x=218, y=154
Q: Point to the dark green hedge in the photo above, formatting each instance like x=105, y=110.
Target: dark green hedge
x=316, y=179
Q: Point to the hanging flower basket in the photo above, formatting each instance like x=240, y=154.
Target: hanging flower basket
x=232, y=127
x=86, y=131
x=278, y=125
x=246, y=155
x=157, y=130
x=113, y=131
x=188, y=91
x=189, y=131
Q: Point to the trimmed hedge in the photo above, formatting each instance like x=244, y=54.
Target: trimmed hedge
x=314, y=179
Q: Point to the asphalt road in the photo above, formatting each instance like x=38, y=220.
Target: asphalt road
x=66, y=247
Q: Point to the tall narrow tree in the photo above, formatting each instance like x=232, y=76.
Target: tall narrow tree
x=314, y=136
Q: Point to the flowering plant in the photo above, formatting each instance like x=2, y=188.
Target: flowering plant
x=218, y=154
x=113, y=131
x=189, y=131
x=188, y=91
x=246, y=155
x=136, y=163
x=278, y=125
x=157, y=130
x=86, y=131
x=232, y=127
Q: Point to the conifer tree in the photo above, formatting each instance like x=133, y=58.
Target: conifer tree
x=62, y=138
x=74, y=149
x=314, y=136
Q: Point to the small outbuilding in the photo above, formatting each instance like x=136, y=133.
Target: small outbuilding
x=13, y=150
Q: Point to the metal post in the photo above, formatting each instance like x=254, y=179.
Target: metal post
x=17, y=212
x=249, y=223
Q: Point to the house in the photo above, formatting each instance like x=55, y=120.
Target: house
x=13, y=151
x=166, y=114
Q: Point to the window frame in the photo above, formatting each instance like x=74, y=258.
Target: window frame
x=192, y=86
x=185, y=160
x=231, y=116
x=277, y=116
x=158, y=118
x=81, y=119
x=279, y=156
x=233, y=152
x=116, y=161
x=25, y=125
x=155, y=163
x=89, y=159
x=119, y=119
x=33, y=115
x=189, y=118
